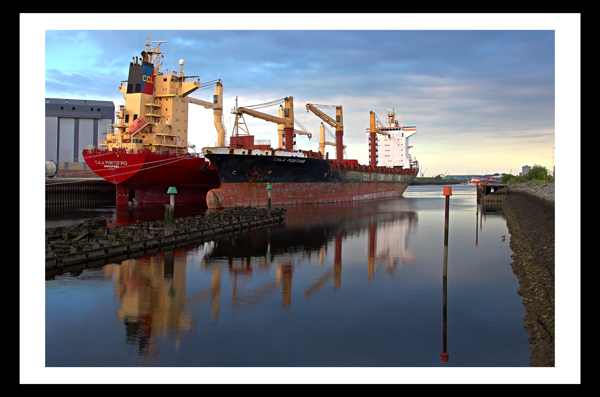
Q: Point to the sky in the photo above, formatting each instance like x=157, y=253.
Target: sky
x=482, y=92
x=489, y=93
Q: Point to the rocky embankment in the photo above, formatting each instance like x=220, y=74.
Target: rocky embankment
x=544, y=191
x=530, y=222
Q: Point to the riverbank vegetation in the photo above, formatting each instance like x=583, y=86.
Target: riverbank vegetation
x=537, y=175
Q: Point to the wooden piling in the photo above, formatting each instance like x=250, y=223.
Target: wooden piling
x=169, y=219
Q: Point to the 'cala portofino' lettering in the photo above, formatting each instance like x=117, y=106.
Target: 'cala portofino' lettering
x=111, y=163
x=289, y=159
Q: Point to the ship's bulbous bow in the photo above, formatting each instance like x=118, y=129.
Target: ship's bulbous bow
x=213, y=200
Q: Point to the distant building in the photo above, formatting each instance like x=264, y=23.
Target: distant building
x=525, y=170
x=71, y=126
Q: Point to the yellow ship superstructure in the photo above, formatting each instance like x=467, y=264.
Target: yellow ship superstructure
x=161, y=101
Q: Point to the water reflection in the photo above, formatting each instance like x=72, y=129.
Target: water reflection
x=151, y=292
x=336, y=285
x=484, y=207
x=312, y=234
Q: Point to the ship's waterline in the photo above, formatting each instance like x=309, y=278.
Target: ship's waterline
x=256, y=194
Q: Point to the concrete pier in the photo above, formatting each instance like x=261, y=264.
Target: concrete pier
x=493, y=192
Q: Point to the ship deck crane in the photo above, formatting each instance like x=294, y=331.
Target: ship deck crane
x=217, y=106
x=372, y=138
x=280, y=129
x=285, y=119
x=322, y=141
x=338, y=123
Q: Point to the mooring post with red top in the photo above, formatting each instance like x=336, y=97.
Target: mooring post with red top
x=447, y=193
x=445, y=355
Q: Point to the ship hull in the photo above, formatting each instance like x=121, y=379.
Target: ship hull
x=296, y=180
x=146, y=176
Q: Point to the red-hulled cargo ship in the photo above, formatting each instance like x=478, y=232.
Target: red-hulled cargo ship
x=251, y=173
x=147, y=151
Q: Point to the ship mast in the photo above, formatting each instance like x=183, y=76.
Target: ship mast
x=153, y=51
x=391, y=118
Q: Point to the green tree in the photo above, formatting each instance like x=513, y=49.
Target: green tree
x=537, y=172
x=506, y=178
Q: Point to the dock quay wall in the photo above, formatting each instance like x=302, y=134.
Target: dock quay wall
x=80, y=192
x=491, y=193
x=530, y=222
x=93, y=241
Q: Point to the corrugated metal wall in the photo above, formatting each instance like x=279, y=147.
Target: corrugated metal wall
x=72, y=125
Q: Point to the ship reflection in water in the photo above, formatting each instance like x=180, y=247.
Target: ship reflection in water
x=310, y=238
x=337, y=285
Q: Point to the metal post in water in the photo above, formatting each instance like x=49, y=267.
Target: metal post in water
x=170, y=213
x=445, y=356
x=447, y=193
x=172, y=192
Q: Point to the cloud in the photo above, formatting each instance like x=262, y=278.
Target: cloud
x=495, y=83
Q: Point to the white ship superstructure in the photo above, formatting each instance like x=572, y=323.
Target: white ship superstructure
x=392, y=147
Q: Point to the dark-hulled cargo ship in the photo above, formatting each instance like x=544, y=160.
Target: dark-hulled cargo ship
x=248, y=171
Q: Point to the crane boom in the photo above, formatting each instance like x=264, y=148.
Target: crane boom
x=300, y=132
x=217, y=106
x=207, y=105
x=260, y=115
x=287, y=121
x=338, y=123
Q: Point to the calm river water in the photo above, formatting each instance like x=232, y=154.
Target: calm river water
x=340, y=285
